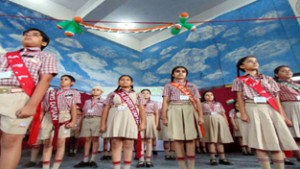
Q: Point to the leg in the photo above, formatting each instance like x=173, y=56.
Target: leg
x=142, y=158
x=60, y=151
x=190, y=147
x=221, y=151
x=212, y=152
x=149, y=152
x=167, y=149
x=154, y=143
x=278, y=159
x=87, y=148
x=172, y=150
x=297, y=153
x=33, y=157
x=263, y=158
x=11, y=146
x=116, y=148
x=128, y=144
x=47, y=153
x=95, y=148
x=179, y=148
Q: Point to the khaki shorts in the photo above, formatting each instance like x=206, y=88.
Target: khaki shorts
x=47, y=129
x=75, y=132
x=90, y=127
x=9, y=105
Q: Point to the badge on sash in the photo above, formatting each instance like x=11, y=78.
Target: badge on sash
x=298, y=97
x=214, y=113
x=5, y=75
x=121, y=107
x=260, y=100
x=184, y=97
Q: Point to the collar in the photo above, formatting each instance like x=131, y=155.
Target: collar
x=131, y=91
x=31, y=49
x=285, y=80
x=182, y=83
x=259, y=76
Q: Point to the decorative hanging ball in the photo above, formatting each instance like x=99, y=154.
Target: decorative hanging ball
x=71, y=27
x=184, y=16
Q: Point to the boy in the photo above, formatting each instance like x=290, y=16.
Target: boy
x=60, y=117
x=90, y=129
x=25, y=76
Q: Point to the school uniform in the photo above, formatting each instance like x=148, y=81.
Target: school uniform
x=266, y=129
x=66, y=98
x=75, y=132
x=92, y=109
x=151, y=130
x=120, y=121
x=12, y=96
x=215, y=125
x=243, y=126
x=181, y=113
x=290, y=100
x=163, y=133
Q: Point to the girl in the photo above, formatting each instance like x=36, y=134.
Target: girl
x=240, y=128
x=179, y=114
x=290, y=99
x=257, y=95
x=122, y=120
x=151, y=108
x=216, y=128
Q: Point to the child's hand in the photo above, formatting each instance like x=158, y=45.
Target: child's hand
x=70, y=125
x=236, y=128
x=200, y=121
x=26, y=111
x=103, y=128
x=288, y=122
x=142, y=127
x=158, y=127
x=245, y=118
x=166, y=121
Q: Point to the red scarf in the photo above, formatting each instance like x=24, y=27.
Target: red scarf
x=187, y=92
x=126, y=98
x=26, y=81
x=259, y=88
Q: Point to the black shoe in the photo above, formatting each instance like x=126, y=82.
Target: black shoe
x=224, y=162
x=104, y=157
x=29, y=164
x=136, y=158
x=198, y=150
x=140, y=164
x=82, y=164
x=213, y=162
x=154, y=152
x=288, y=162
x=167, y=158
x=172, y=158
x=40, y=164
x=93, y=164
x=245, y=153
x=149, y=164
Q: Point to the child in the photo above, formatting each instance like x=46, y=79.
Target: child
x=240, y=128
x=216, y=127
x=60, y=117
x=21, y=93
x=169, y=147
x=289, y=95
x=75, y=133
x=90, y=127
x=180, y=103
x=257, y=95
x=122, y=120
x=151, y=108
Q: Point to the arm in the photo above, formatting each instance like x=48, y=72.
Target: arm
x=103, y=125
x=283, y=114
x=233, y=123
x=244, y=115
x=200, y=112
x=142, y=117
x=74, y=117
x=30, y=108
x=156, y=118
x=165, y=105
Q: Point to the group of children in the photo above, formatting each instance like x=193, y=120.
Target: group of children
x=266, y=117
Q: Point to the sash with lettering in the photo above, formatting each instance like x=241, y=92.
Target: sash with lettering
x=187, y=92
x=125, y=97
x=26, y=81
x=258, y=87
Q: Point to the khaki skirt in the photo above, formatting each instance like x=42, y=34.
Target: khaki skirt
x=120, y=124
x=216, y=129
x=292, y=110
x=181, y=124
x=267, y=129
x=151, y=131
x=163, y=133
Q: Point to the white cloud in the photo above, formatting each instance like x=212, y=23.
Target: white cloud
x=106, y=51
x=125, y=70
x=270, y=14
x=16, y=24
x=2, y=50
x=192, y=58
x=221, y=46
x=269, y=49
x=17, y=37
x=216, y=75
x=154, y=49
x=262, y=30
x=270, y=66
x=1, y=25
x=84, y=59
x=150, y=78
x=205, y=33
x=165, y=81
x=167, y=50
x=147, y=63
x=134, y=56
x=64, y=48
x=237, y=54
x=232, y=31
x=121, y=62
x=70, y=42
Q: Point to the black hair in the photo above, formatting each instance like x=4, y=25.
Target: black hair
x=118, y=88
x=148, y=90
x=177, y=67
x=276, y=70
x=43, y=34
x=70, y=77
x=241, y=62
x=236, y=110
x=203, y=95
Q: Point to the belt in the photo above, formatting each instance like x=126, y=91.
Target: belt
x=91, y=116
x=8, y=90
x=149, y=113
x=180, y=102
x=252, y=101
x=291, y=101
x=208, y=113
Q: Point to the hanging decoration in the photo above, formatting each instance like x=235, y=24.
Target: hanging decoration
x=72, y=27
x=184, y=16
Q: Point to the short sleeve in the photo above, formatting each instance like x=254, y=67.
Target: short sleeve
x=237, y=85
x=232, y=113
x=109, y=99
x=167, y=91
x=49, y=65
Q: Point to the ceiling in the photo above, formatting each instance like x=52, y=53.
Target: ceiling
x=133, y=11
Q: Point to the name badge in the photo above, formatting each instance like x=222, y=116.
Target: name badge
x=5, y=75
x=298, y=97
x=184, y=97
x=90, y=111
x=260, y=100
x=122, y=107
x=24, y=124
x=214, y=113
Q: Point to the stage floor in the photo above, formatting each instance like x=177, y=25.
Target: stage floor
x=202, y=161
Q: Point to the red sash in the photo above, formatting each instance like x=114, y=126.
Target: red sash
x=26, y=81
x=187, y=92
x=258, y=87
x=126, y=98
